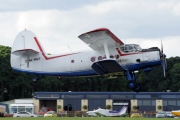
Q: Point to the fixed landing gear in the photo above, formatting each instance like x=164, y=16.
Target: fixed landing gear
x=132, y=83
x=37, y=78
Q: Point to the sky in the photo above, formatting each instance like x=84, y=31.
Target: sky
x=58, y=23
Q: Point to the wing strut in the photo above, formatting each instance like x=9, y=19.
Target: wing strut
x=106, y=50
x=27, y=61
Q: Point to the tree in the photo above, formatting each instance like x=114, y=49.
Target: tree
x=15, y=85
x=135, y=107
x=175, y=77
x=85, y=107
x=159, y=107
x=108, y=107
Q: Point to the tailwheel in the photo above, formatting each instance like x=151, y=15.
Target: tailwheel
x=35, y=80
x=131, y=84
x=137, y=88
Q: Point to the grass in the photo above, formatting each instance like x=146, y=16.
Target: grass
x=84, y=118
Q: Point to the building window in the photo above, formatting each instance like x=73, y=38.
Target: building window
x=72, y=105
x=143, y=96
x=164, y=102
x=168, y=96
x=95, y=103
x=146, y=102
x=121, y=96
x=47, y=95
x=139, y=103
x=178, y=102
x=97, y=96
x=14, y=108
x=73, y=96
x=172, y=102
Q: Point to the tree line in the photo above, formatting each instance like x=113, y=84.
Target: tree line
x=15, y=85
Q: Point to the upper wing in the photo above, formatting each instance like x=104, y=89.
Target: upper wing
x=96, y=38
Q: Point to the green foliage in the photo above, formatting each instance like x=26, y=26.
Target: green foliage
x=66, y=115
x=85, y=107
x=58, y=106
x=83, y=118
x=108, y=107
x=135, y=107
x=159, y=107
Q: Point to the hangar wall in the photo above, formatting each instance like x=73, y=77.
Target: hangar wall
x=146, y=101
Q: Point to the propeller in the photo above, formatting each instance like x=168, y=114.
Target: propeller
x=163, y=60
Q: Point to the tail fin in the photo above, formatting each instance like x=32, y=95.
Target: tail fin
x=25, y=49
x=123, y=110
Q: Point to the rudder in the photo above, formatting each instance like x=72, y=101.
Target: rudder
x=25, y=48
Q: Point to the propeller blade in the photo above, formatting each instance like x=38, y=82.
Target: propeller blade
x=165, y=63
x=163, y=60
x=164, y=67
x=27, y=61
x=161, y=47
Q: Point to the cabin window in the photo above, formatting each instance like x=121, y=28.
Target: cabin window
x=128, y=48
x=72, y=61
x=104, y=57
x=100, y=58
x=93, y=59
x=111, y=56
x=117, y=56
x=138, y=48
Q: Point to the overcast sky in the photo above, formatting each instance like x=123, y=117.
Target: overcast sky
x=57, y=23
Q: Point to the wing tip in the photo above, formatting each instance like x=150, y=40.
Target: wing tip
x=95, y=30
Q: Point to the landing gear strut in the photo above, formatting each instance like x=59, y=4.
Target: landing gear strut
x=132, y=83
x=37, y=78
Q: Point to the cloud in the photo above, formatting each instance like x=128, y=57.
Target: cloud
x=142, y=21
x=176, y=9
x=26, y=5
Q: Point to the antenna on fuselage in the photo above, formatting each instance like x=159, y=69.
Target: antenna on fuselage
x=125, y=44
x=69, y=48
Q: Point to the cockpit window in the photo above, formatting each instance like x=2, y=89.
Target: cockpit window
x=130, y=48
x=138, y=48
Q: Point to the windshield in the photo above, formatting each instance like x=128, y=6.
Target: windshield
x=50, y=112
x=138, y=48
x=161, y=113
x=43, y=110
x=131, y=48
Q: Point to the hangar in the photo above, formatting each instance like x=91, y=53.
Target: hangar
x=74, y=101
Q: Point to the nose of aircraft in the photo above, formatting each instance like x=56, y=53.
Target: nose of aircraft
x=163, y=60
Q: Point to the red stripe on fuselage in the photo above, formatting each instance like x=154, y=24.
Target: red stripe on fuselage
x=125, y=54
x=48, y=58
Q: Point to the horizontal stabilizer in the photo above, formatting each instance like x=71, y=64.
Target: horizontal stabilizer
x=107, y=66
x=25, y=52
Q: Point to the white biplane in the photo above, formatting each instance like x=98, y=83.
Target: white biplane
x=109, y=56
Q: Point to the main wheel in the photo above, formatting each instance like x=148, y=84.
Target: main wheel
x=131, y=84
x=137, y=88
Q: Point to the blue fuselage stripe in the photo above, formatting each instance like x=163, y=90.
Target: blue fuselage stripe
x=134, y=67
x=131, y=67
x=77, y=73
